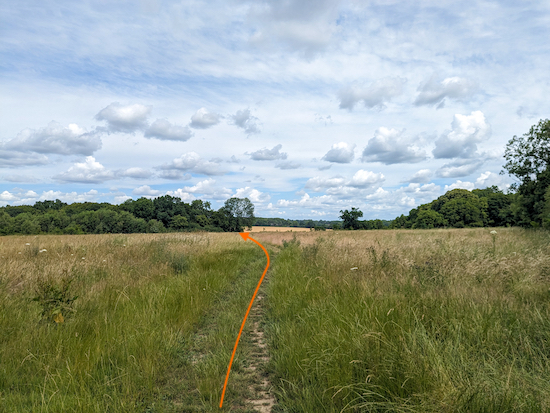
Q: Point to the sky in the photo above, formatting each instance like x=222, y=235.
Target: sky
x=306, y=107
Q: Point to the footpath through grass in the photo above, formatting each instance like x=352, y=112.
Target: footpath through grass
x=412, y=321
x=151, y=329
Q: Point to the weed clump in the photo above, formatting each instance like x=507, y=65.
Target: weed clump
x=55, y=299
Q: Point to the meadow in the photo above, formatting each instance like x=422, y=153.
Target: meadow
x=447, y=320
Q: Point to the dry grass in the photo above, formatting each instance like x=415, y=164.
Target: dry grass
x=423, y=321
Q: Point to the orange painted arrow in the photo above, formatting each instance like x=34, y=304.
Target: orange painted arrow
x=245, y=236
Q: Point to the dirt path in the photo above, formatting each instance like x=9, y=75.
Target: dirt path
x=263, y=400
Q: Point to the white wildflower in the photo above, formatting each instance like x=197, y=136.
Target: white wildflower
x=493, y=232
x=43, y=250
x=354, y=268
x=27, y=243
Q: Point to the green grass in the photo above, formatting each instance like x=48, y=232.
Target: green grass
x=426, y=321
x=140, y=303
x=430, y=321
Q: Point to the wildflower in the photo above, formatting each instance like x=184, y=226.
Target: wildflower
x=43, y=250
x=354, y=268
x=83, y=258
x=493, y=232
x=27, y=243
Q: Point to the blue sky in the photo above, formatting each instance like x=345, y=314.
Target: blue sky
x=305, y=107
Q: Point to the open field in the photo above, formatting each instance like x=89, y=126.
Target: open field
x=401, y=321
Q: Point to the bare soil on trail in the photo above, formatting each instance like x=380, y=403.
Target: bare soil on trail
x=263, y=400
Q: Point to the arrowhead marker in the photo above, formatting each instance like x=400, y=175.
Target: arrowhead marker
x=244, y=235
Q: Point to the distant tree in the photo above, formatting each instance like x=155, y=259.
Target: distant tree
x=351, y=218
x=528, y=155
x=239, y=213
x=428, y=218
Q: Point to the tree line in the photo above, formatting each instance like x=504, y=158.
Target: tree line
x=162, y=214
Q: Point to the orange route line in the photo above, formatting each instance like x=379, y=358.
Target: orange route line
x=245, y=236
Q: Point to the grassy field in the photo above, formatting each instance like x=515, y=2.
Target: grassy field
x=381, y=321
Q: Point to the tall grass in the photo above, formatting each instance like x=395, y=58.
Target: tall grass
x=140, y=298
x=439, y=321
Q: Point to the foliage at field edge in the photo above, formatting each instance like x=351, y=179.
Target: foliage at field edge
x=162, y=214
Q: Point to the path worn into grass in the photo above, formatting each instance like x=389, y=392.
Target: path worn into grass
x=197, y=374
x=263, y=399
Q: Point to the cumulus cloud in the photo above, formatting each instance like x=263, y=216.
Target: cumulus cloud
x=459, y=185
x=180, y=193
x=21, y=197
x=318, y=184
x=13, y=159
x=461, y=142
x=243, y=119
x=363, y=179
x=164, y=130
x=341, y=186
x=253, y=194
x=174, y=175
x=421, y=176
x=136, y=173
x=340, y=153
x=192, y=162
x=56, y=139
x=487, y=179
x=145, y=190
x=90, y=172
x=377, y=94
x=388, y=146
x=268, y=154
x=433, y=91
x=124, y=118
x=459, y=168
x=203, y=119
x=288, y=165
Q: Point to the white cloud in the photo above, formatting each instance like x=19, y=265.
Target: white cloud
x=89, y=171
x=180, y=193
x=459, y=185
x=243, y=119
x=318, y=184
x=340, y=153
x=377, y=94
x=433, y=92
x=268, y=154
x=7, y=196
x=192, y=162
x=136, y=173
x=487, y=179
x=363, y=179
x=56, y=139
x=145, y=190
x=124, y=118
x=388, y=146
x=203, y=119
x=421, y=176
x=12, y=159
x=164, y=130
x=461, y=141
x=459, y=168
x=253, y=194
